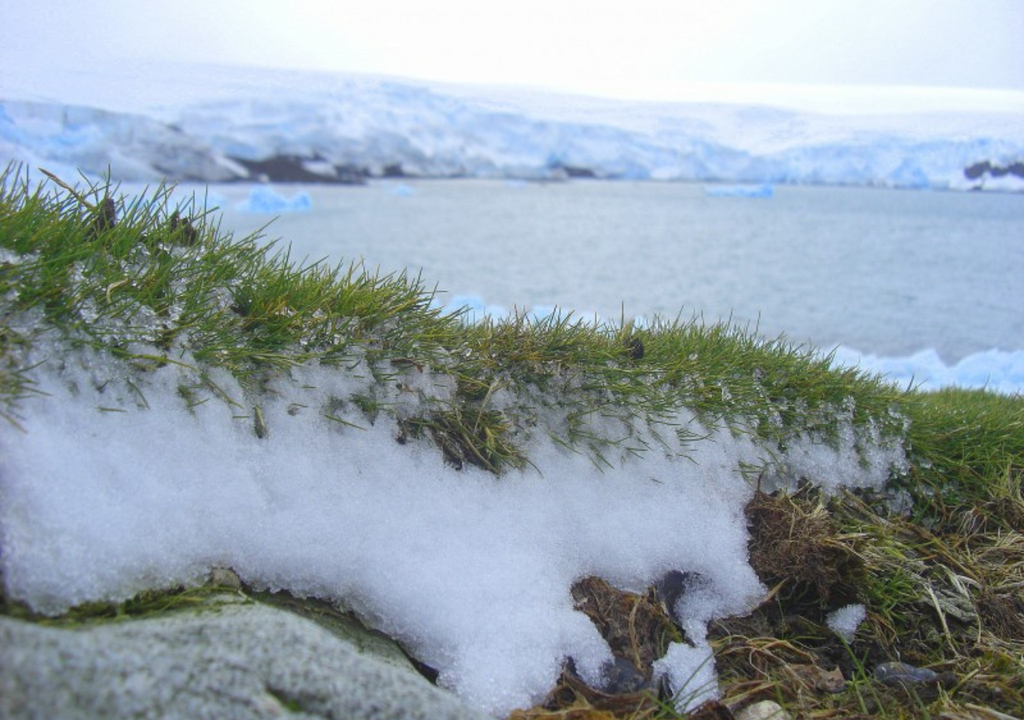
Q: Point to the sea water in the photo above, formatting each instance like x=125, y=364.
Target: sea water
x=886, y=272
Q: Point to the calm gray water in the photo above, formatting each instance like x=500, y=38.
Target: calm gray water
x=884, y=271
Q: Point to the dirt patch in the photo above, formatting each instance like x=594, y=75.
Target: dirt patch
x=1002, y=614
x=795, y=544
x=637, y=628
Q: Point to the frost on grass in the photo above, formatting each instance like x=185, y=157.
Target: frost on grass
x=125, y=480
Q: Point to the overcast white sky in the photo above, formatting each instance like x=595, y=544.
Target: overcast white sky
x=650, y=49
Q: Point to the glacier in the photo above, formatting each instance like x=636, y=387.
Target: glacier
x=224, y=124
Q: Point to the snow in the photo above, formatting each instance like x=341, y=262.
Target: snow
x=199, y=130
x=106, y=495
x=845, y=621
x=691, y=673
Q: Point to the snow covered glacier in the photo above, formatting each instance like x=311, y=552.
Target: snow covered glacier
x=256, y=125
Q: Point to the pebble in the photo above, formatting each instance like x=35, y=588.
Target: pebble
x=899, y=673
x=764, y=710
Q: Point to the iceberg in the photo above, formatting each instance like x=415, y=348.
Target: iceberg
x=264, y=200
x=742, y=191
x=995, y=370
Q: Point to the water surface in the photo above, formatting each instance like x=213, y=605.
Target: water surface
x=889, y=272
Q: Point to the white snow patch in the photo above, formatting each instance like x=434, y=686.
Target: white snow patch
x=691, y=674
x=102, y=498
x=845, y=621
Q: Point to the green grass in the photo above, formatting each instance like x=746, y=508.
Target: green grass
x=150, y=284
x=162, y=284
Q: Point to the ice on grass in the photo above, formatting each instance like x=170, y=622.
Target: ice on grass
x=470, y=571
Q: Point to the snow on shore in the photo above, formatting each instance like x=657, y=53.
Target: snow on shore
x=103, y=498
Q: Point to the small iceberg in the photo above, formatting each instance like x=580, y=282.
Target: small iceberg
x=764, y=190
x=264, y=200
x=401, y=190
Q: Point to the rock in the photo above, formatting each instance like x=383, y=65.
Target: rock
x=225, y=577
x=901, y=673
x=895, y=673
x=621, y=676
x=299, y=169
x=978, y=170
x=575, y=171
x=764, y=710
x=816, y=679
x=920, y=684
x=228, y=661
x=345, y=626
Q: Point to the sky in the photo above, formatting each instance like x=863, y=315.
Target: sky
x=644, y=49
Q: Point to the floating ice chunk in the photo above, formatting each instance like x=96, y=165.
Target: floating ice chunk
x=845, y=621
x=401, y=190
x=264, y=200
x=740, y=191
x=996, y=370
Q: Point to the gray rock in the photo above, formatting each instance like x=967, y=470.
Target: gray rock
x=224, y=662
x=895, y=673
x=764, y=710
